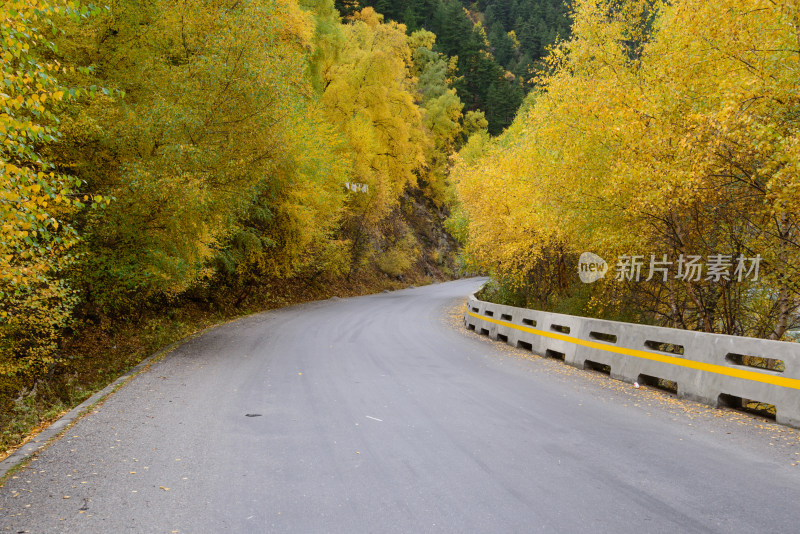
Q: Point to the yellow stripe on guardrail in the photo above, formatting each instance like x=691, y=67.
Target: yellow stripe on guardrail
x=699, y=366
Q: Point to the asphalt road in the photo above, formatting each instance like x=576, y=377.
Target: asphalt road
x=382, y=414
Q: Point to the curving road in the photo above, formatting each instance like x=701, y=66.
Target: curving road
x=380, y=414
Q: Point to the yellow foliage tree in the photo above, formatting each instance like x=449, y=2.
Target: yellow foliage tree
x=35, y=195
x=217, y=156
x=369, y=95
x=664, y=129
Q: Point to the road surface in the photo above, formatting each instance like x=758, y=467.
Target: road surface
x=383, y=414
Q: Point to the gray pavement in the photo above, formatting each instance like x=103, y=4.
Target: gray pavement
x=379, y=414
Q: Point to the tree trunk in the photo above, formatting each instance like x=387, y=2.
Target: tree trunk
x=784, y=312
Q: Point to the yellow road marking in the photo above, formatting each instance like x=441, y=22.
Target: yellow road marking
x=699, y=366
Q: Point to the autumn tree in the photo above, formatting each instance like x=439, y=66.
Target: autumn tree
x=217, y=157
x=665, y=130
x=37, y=196
x=442, y=113
x=369, y=95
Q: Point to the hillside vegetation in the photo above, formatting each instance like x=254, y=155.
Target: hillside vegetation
x=665, y=138
x=496, y=47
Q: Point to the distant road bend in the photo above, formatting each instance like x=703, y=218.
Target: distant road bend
x=376, y=414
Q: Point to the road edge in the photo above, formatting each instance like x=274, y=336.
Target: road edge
x=43, y=439
x=46, y=437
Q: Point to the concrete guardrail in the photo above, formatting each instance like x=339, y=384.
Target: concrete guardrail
x=708, y=368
